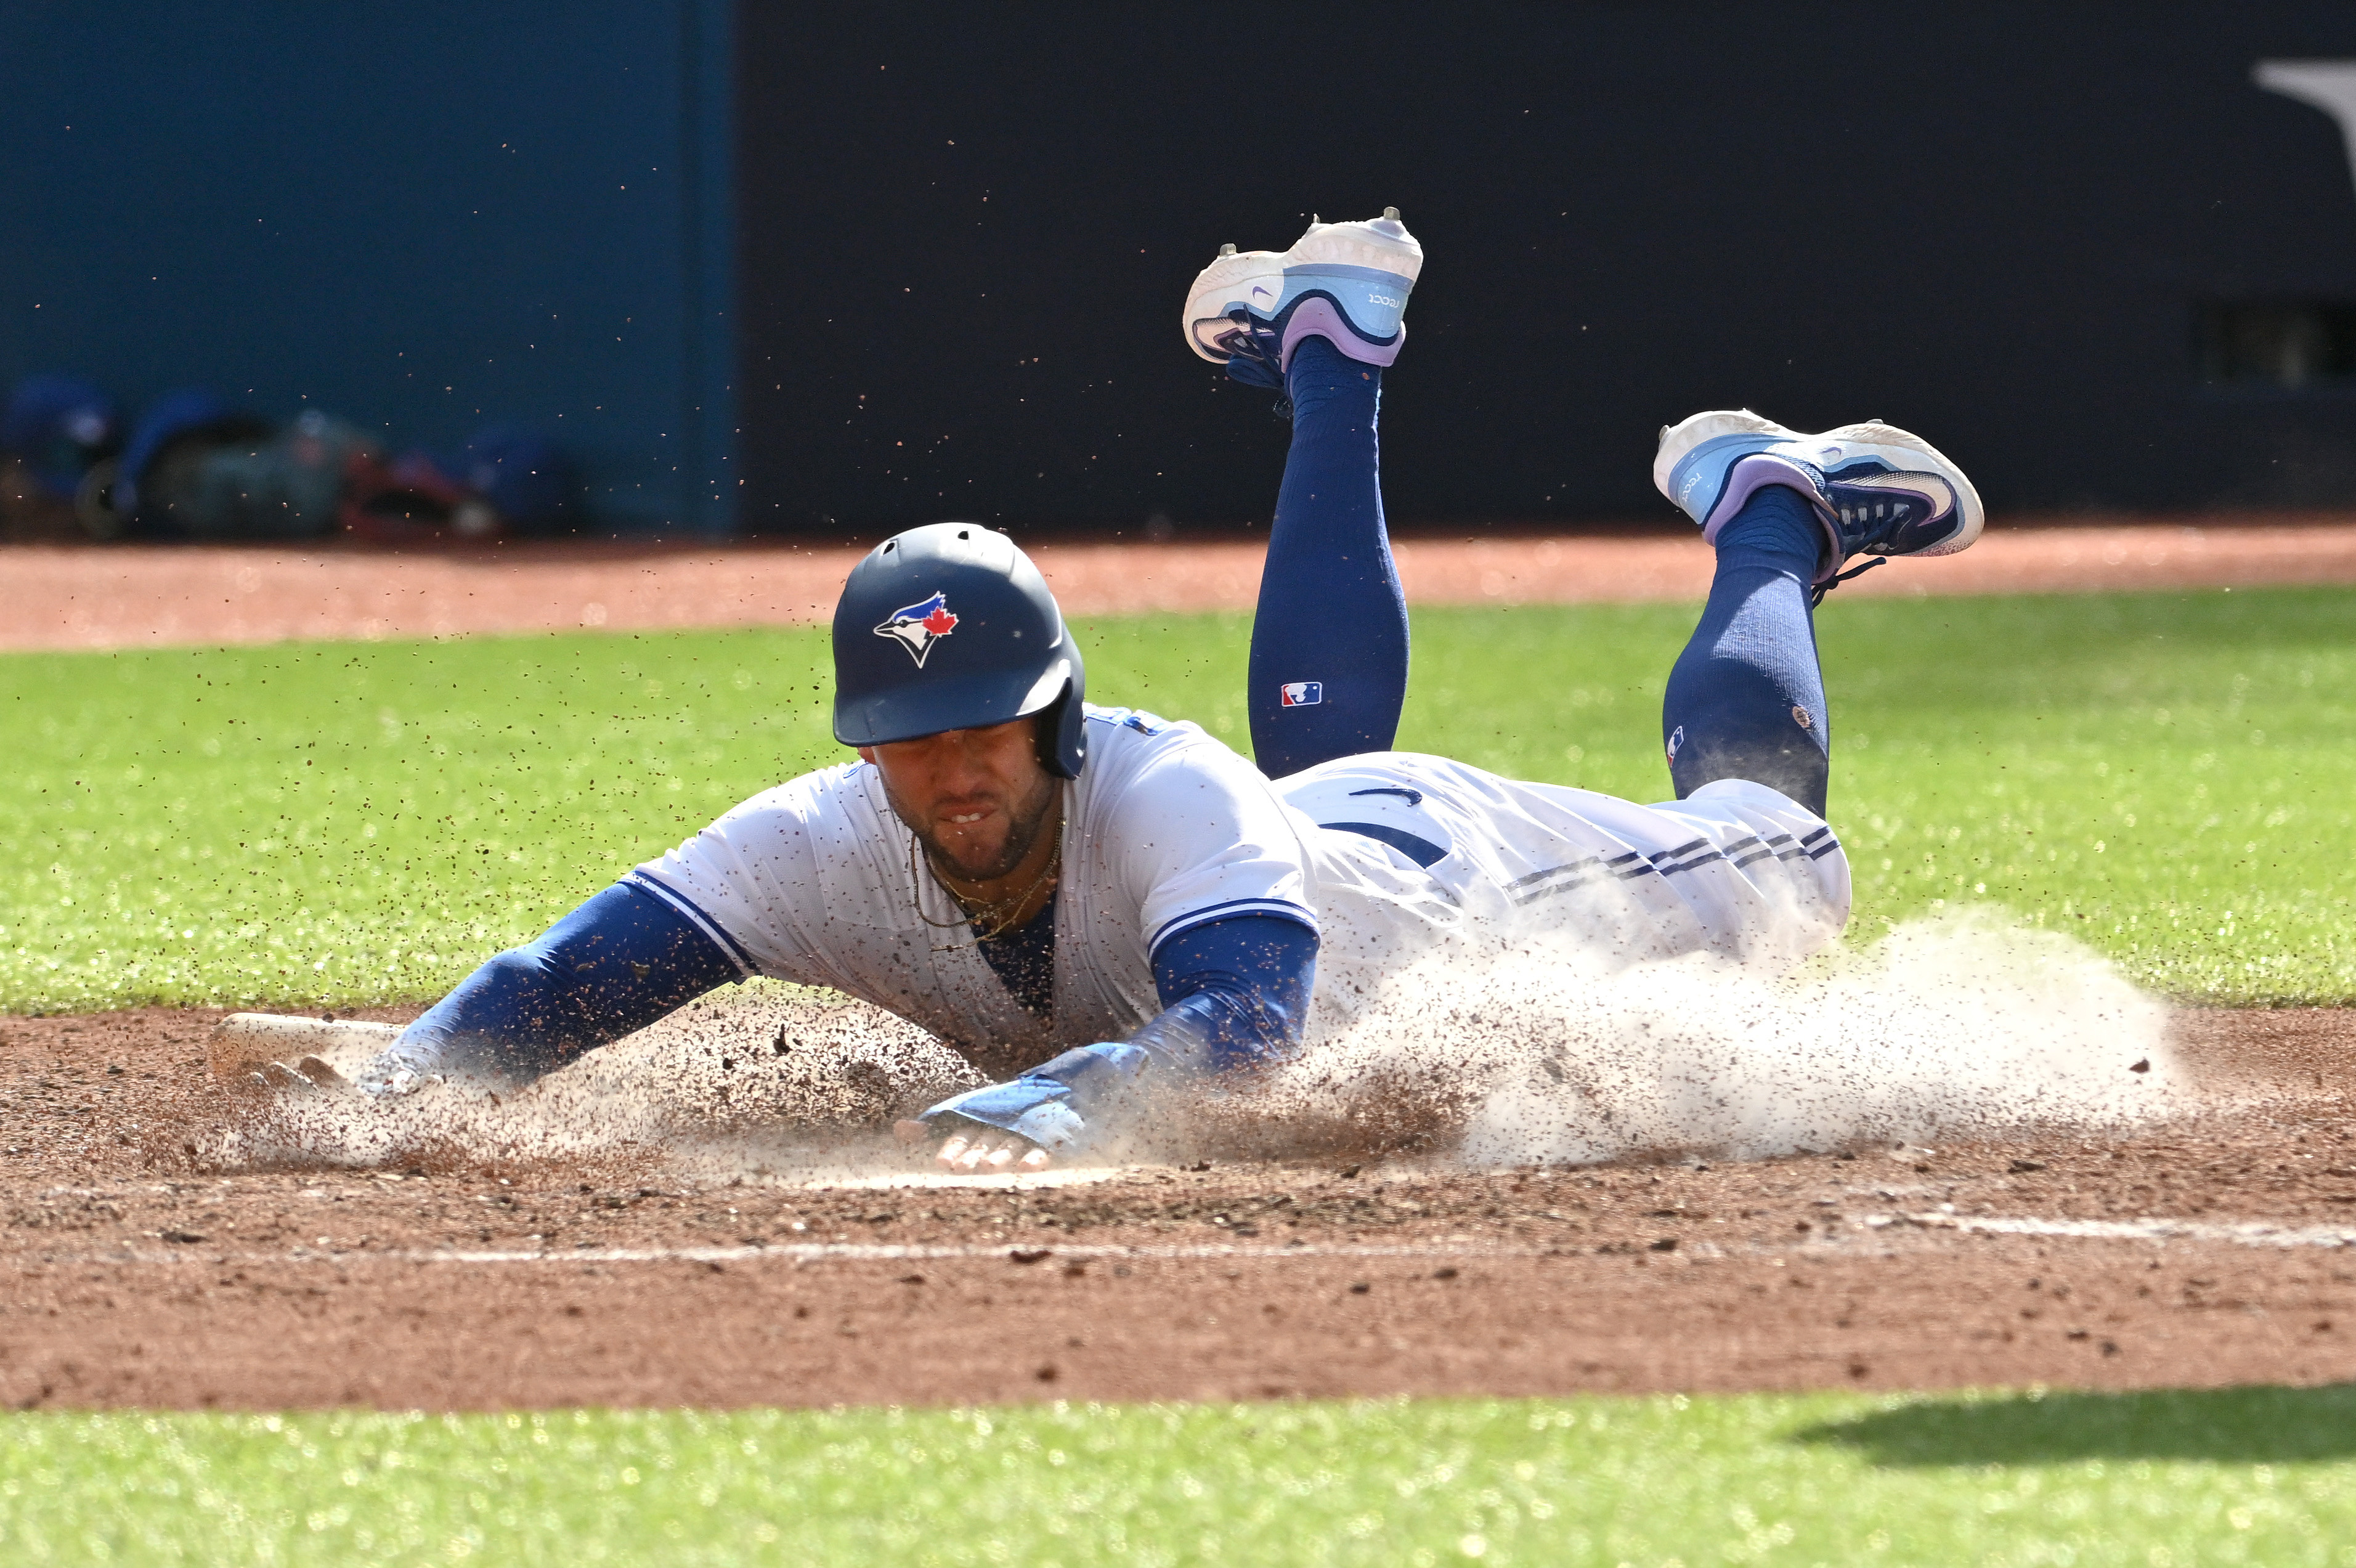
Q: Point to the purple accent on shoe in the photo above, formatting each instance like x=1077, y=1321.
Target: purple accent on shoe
x=1752, y=474
x=1318, y=319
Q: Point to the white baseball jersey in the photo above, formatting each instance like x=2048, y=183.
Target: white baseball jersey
x=818, y=882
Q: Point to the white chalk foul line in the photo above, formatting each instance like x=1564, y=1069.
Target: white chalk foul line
x=872, y=1251
x=2244, y=1233
x=799, y=1252
x=2250, y=1234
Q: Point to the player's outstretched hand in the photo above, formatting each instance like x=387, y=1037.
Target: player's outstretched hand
x=981, y=1149
x=988, y=1149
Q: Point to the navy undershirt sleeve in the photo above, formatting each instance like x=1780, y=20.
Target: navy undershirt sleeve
x=1234, y=993
x=617, y=963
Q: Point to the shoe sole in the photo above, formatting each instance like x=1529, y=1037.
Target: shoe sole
x=1326, y=249
x=1901, y=449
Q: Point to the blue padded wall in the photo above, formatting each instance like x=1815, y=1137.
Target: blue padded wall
x=422, y=217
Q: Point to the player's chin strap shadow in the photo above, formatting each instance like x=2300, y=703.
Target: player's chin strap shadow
x=1829, y=583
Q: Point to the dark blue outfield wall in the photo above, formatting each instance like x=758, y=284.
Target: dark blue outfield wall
x=423, y=217
x=2074, y=244
x=931, y=258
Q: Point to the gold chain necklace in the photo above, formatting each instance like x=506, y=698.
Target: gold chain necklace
x=1001, y=912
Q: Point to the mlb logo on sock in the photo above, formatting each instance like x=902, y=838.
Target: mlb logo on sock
x=1303, y=694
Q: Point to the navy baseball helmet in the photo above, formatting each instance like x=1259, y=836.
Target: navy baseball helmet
x=950, y=626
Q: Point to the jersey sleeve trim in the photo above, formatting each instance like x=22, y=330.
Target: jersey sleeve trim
x=646, y=881
x=1281, y=909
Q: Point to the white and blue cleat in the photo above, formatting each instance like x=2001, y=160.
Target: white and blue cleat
x=1878, y=491
x=1347, y=282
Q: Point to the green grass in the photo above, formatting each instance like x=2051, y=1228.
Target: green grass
x=2172, y=777
x=2254, y=1475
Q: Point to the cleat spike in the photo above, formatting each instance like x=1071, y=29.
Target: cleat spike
x=1226, y=249
x=1391, y=214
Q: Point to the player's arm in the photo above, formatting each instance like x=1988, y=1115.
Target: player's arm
x=668, y=932
x=1234, y=995
x=614, y=966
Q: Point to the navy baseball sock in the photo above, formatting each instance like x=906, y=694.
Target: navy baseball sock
x=1329, y=641
x=1746, y=698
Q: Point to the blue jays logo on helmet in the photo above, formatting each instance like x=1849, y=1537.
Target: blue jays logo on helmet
x=918, y=626
x=1013, y=659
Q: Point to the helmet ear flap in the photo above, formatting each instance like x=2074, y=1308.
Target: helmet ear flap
x=1060, y=737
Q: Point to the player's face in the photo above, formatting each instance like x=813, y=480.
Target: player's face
x=978, y=799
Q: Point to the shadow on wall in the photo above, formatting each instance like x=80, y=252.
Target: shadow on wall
x=2258, y=1425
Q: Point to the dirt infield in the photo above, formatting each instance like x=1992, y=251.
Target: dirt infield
x=62, y=596
x=2215, y=1252
x=144, y=1266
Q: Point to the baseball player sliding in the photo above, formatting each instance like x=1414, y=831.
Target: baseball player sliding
x=1099, y=907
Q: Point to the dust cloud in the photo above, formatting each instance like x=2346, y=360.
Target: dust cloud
x=1543, y=1054
x=1540, y=1051
x=755, y=1078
